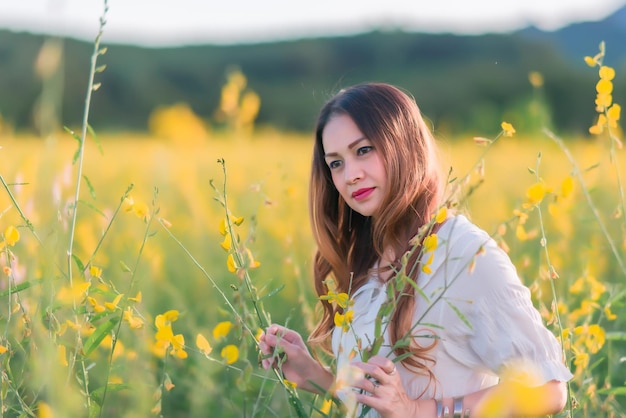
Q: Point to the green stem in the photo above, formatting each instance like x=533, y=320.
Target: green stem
x=81, y=157
x=592, y=206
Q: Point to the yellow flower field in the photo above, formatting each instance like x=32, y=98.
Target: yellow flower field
x=159, y=239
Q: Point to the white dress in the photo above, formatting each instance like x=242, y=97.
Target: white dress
x=472, y=274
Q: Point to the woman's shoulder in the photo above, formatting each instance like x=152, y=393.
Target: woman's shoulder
x=459, y=232
x=469, y=254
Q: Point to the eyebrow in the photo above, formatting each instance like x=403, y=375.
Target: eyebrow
x=350, y=146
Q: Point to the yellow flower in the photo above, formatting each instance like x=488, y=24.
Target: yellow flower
x=613, y=115
x=508, y=129
x=137, y=298
x=165, y=336
x=222, y=329
x=604, y=87
x=141, y=210
x=95, y=271
x=289, y=384
x=231, y=264
x=113, y=305
x=596, y=338
x=591, y=61
x=341, y=299
x=325, y=409
x=11, y=235
x=3, y=349
x=203, y=345
x=96, y=306
x=441, y=215
x=44, y=410
x=536, y=193
x=606, y=73
x=227, y=243
x=426, y=266
x=223, y=227
x=135, y=322
x=598, y=128
x=344, y=320
x=178, y=346
x=233, y=219
x=609, y=315
x=603, y=101
x=171, y=315
x=230, y=353
x=581, y=360
x=430, y=243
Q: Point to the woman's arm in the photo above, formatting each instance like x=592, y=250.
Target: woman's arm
x=382, y=390
x=297, y=364
x=513, y=400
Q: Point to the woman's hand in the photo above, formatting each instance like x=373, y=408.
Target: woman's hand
x=385, y=392
x=285, y=349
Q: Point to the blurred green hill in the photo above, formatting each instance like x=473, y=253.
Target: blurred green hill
x=462, y=83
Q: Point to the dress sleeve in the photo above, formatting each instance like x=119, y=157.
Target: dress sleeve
x=488, y=317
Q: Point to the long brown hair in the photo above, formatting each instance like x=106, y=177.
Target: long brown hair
x=349, y=244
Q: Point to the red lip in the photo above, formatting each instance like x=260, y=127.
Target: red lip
x=362, y=193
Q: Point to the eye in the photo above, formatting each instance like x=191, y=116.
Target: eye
x=364, y=150
x=334, y=164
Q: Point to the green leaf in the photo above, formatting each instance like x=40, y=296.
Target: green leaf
x=92, y=207
x=98, y=335
x=95, y=137
x=417, y=288
x=18, y=288
x=97, y=394
x=616, y=336
x=460, y=314
x=94, y=410
x=124, y=267
x=73, y=134
x=620, y=391
x=272, y=293
x=92, y=191
x=76, y=156
x=79, y=263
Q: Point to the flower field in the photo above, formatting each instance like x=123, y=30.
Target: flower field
x=138, y=271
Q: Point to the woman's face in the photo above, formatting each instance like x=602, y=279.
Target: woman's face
x=356, y=166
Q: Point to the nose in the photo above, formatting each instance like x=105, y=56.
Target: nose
x=352, y=172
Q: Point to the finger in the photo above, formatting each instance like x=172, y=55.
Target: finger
x=264, y=347
x=374, y=371
x=384, y=363
x=369, y=385
x=284, y=333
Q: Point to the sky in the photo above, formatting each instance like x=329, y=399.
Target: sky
x=175, y=22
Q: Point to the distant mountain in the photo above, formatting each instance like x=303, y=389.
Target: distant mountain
x=581, y=39
x=462, y=83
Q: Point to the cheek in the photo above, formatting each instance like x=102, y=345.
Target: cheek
x=336, y=181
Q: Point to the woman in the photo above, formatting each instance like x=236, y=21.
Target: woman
x=438, y=350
